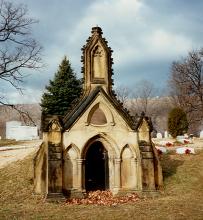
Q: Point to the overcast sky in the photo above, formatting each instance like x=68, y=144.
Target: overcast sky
x=145, y=35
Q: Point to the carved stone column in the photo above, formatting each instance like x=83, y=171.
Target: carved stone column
x=117, y=183
x=80, y=173
x=135, y=172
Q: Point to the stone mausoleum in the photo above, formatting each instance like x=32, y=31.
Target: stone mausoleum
x=97, y=145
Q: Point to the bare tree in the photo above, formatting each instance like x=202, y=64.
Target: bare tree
x=142, y=99
x=186, y=83
x=123, y=94
x=18, y=50
x=143, y=93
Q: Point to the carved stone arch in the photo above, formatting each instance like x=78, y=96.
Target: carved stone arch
x=127, y=167
x=108, y=143
x=133, y=151
x=70, y=170
x=106, y=111
x=71, y=147
x=98, y=154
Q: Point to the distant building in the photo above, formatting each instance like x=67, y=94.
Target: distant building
x=15, y=130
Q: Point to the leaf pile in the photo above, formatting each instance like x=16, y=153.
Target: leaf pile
x=103, y=198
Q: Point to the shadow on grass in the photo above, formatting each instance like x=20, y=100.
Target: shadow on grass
x=169, y=165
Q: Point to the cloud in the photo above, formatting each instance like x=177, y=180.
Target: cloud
x=146, y=36
x=28, y=96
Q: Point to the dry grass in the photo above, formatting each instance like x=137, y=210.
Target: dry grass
x=7, y=142
x=182, y=197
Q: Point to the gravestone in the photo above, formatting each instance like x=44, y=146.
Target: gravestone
x=201, y=134
x=182, y=150
x=166, y=134
x=162, y=149
x=159, y=135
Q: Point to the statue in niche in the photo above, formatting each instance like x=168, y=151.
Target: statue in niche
x=99, y=62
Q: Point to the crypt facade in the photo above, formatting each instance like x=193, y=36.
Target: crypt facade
x=97, y=144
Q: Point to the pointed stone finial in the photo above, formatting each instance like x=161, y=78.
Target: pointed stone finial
x=97, y=31
x=142, y=114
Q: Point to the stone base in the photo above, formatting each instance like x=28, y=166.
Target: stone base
x=150, y=193
x=69, y=194
x=55, y=197
x=126, y=192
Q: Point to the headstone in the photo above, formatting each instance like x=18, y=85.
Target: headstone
x=186, y=136
x=201, y=134
x=166, y=134
x=162, y=149
x=180, y=137
x=159, y=135
x=185, y=150
x=184, y=140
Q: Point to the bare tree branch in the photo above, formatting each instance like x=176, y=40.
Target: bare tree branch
x=25, y=116
x=186, y=83
x=123, y=93
x=19, y=52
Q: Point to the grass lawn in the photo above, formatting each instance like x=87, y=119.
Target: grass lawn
x=181, y=198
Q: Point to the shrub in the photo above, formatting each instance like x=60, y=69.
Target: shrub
x=177, y=122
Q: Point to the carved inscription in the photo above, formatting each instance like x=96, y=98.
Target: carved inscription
x=55, y=167
x=55, y=151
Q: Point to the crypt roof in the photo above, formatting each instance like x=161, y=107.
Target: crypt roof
x=83, y=104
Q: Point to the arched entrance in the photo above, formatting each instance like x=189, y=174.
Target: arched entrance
x=96, y=167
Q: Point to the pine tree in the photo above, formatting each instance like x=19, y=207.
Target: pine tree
x=177, y=122
x=61, y=91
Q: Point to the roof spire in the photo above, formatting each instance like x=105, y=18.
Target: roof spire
x=97, y=30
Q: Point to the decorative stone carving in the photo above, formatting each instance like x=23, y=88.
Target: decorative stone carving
x=99, y=65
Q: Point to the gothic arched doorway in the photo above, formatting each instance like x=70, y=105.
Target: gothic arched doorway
x=96, y=167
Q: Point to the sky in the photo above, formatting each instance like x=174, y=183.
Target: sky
x=145, y=35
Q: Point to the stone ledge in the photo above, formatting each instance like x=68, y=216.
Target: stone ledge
x=55, y=197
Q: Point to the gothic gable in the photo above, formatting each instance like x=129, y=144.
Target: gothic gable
x=97, y=62
x=101, y=104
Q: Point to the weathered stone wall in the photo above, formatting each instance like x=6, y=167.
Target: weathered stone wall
x=40, y=170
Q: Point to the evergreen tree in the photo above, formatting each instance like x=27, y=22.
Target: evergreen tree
x=61, y=91
x=177, y=122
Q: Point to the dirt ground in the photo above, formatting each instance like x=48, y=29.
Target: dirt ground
x=11, y=153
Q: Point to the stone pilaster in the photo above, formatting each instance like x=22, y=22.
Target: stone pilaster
x=117, y=183
x=80, y=163
x=135, y=172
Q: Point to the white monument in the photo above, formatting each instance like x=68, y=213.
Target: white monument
x=185, y=150
x=166, y=134
x=15, y=130
x=201, y=134
x=159, y=135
